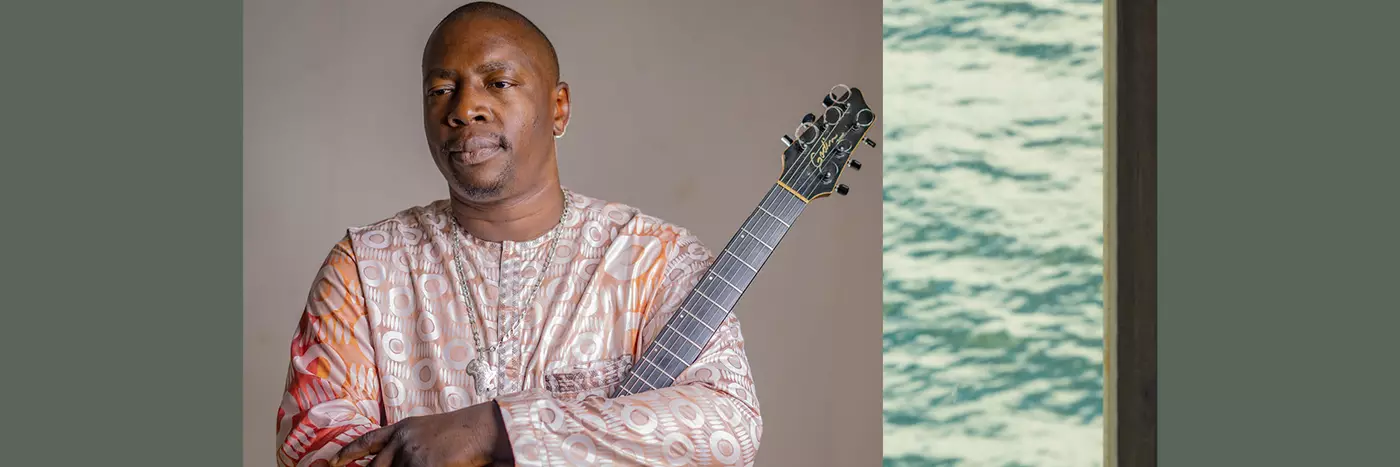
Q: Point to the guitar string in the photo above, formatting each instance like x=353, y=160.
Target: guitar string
x=683, y=328
x=688, y=325
x=759, y=220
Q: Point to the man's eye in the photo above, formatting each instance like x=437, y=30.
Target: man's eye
x=439, y=91
x=500, y=84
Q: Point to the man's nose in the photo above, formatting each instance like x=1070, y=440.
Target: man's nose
x=470, y=108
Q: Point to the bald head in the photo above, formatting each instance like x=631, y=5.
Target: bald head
x=531, y=35
x=493, y=104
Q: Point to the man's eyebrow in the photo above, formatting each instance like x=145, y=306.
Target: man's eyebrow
x=482, y=69
x=491, y=67
x=440, y=73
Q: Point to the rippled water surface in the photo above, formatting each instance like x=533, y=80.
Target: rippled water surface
x=993, y=233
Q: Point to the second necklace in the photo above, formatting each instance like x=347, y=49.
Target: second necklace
x=485, y=369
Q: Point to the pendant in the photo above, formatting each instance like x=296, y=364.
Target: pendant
x=484, y=375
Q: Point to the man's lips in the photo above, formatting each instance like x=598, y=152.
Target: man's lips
x=474, y=150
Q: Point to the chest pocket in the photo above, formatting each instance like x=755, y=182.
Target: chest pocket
x=596, y=378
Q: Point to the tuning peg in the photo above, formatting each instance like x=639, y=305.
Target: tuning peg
x=787, y=141
x=809, y=118
x=854, y=164
x=869, y=142
x=843, y=189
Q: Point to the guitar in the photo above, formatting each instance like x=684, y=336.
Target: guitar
x=811, y=167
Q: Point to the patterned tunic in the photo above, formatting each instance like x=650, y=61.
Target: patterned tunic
x=385, y=336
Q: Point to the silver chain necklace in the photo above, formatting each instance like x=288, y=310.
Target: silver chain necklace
x=485, y=369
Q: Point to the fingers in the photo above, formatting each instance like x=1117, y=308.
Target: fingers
x=384, y=458
x=370, y=443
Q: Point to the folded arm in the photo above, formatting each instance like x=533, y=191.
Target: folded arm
x=332, y=388
x=708, y=416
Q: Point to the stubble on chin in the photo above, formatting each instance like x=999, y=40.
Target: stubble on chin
x=479, y=192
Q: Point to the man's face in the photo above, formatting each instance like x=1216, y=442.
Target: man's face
x=490, y=107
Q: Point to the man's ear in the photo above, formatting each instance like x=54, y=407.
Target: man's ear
x=561, y=109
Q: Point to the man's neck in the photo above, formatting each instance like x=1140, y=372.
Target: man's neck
x=521, y=217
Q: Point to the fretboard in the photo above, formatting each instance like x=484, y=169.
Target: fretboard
x=701, y=313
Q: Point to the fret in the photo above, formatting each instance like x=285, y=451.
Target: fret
x=711, y=300
x=782, y=205
x=681, y=344
x=647, y=359
x=648, y=383
x=697, y=319
x=689, y=325
x=666, y=369
x=683, y=336
x=740, y=260
x=719, y=293
x=640, y=370
x=665, y=339
x=633, y=384
x=735, y=271
x=782, y=202
x=672, y=365
x=726, y=281
x=765, y=211
x=709, y=303
x=695, y=333
x=673, y=341
x=706, y=310
x=766, y=229
x=659, y=377
x=755, y=237
x=655, y=377
x=671, y=353
x=662, y=381
x=750, y=250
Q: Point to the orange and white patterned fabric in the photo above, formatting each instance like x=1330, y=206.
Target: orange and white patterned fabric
x=384, y=336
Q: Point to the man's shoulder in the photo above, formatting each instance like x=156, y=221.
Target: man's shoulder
x=412, y=222
x=630, y=231
x=629, y=220
x=412, y=215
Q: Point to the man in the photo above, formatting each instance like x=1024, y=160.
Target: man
x=490, y=327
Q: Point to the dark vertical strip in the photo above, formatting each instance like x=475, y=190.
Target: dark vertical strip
x=1136, y=166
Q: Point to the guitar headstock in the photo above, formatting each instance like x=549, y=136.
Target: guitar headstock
x=825, y=143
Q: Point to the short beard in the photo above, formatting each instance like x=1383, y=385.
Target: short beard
x=489, y=191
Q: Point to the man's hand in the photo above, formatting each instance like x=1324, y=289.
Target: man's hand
x=470, y=437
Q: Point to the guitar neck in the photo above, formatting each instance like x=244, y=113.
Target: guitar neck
x=679, y=343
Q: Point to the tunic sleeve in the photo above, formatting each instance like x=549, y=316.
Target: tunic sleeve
x=708, y=416
x=331, y=395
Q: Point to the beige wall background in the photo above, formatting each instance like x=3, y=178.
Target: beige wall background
x=694, y=95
